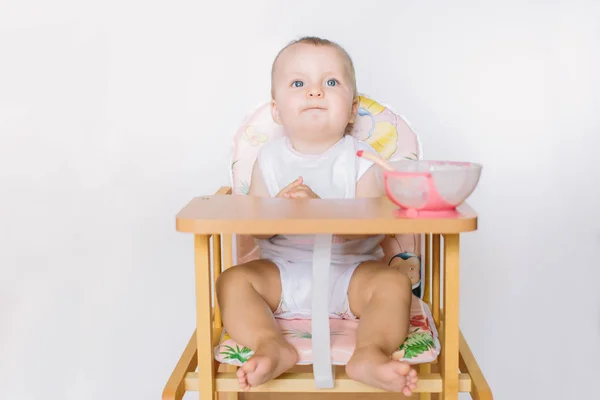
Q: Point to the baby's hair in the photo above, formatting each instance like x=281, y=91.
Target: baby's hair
x=317, y=41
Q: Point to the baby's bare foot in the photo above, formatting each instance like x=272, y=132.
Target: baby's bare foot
x=372, y=367
x=268, y=362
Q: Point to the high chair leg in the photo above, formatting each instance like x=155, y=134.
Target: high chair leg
x=480, y=390
x=204, y=325
x=449, y=355
x=175, y=387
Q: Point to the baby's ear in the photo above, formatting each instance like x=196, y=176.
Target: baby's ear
x=275, y=112
x=354, y=111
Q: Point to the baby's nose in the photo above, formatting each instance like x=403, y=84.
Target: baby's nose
x=315, y=92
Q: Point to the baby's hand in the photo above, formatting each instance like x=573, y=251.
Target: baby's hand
x=297, y=190
x=284, y=192
x=302, y=192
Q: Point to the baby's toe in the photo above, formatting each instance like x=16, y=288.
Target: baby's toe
x=402, y=369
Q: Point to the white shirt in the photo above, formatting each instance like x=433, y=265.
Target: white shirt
x=331, y=175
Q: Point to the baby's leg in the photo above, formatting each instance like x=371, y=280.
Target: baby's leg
x=248, y=294
x=380, y=296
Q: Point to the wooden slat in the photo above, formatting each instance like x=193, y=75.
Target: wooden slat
x=424, y=370
x=216, y=336
x=229, y=395
x=204, y=326
x=227, y=251
x=216, y=258
x=435, y=266
x=449, y=357
x=262, y=215
x=175, y=387
x=480, y=389
x=226, y=240
x=425, y=279
x=304, y=382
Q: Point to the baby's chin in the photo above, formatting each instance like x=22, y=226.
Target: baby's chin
x=317, y=119
x=317, y=129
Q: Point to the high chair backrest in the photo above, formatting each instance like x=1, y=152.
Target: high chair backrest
x=387, y=132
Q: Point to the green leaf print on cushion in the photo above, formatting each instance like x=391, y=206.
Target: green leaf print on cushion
x=242, y=355
x=416, y=343
x=244, y=187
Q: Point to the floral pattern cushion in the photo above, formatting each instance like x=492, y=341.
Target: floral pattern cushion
x=421, y=345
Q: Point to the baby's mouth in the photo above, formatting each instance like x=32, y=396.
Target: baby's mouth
x=315, y=108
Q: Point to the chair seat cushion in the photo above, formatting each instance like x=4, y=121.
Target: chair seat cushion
x=421, y=345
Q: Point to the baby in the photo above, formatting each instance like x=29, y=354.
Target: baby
x=314, y=98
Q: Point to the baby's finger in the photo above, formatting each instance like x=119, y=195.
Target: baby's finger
x=298, y=193
x=304, y=193
x=292, y=185
x=296, y=188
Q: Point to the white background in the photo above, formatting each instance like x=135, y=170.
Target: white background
x=112, y=113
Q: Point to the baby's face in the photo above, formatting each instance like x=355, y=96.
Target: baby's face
x=313, y=92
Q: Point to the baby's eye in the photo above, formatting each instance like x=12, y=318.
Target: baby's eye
x=297, y=84
x=332, y=82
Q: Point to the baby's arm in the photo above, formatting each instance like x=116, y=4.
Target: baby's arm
x=259, y=189
x=369, y=185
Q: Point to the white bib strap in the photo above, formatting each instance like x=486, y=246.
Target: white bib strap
x=321, y=340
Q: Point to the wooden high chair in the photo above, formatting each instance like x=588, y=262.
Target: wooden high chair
x=214, y=219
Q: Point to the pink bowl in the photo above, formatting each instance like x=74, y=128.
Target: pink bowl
x=431, y=186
